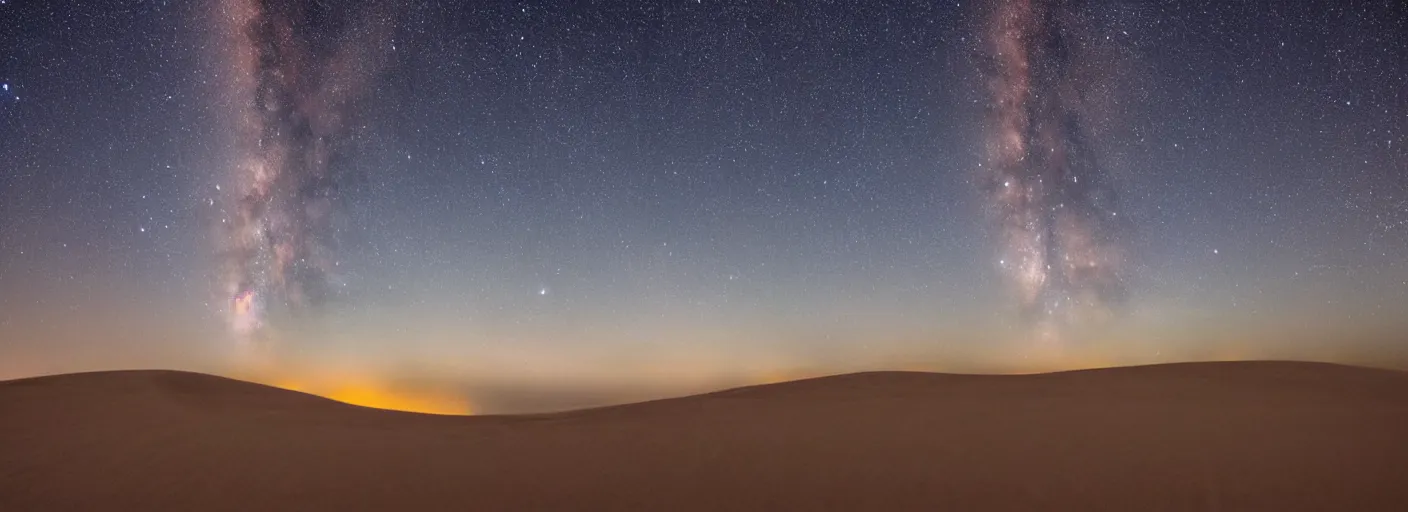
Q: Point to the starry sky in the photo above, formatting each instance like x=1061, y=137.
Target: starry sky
x=535, y=205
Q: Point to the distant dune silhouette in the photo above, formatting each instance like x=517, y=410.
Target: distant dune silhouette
x=1195, y=436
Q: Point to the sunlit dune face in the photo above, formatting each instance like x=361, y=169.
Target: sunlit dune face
x=370, y=394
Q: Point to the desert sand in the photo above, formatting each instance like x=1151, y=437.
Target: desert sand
x=1196, y=436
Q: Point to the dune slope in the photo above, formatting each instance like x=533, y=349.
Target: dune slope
x=1207, y=436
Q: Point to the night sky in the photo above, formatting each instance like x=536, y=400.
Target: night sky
x=528, y=205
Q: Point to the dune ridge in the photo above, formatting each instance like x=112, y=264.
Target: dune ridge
x=1204, y=436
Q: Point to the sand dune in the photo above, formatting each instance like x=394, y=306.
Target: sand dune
x=1203, y=436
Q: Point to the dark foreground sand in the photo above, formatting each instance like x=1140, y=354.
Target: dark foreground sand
x=1205, y=436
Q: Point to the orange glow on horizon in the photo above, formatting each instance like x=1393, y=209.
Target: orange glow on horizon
x=366, y=393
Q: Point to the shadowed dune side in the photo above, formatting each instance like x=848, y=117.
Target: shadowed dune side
x=1229, y=436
